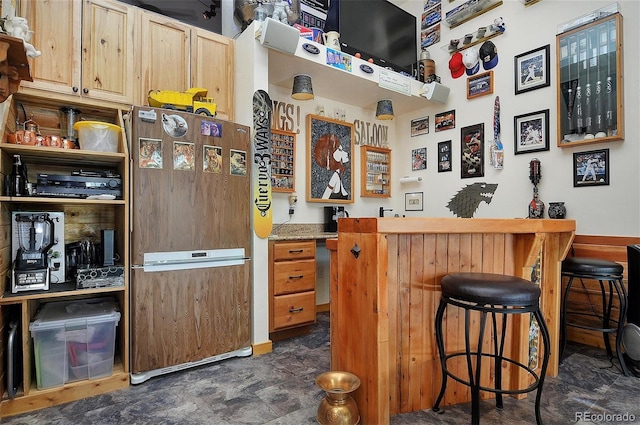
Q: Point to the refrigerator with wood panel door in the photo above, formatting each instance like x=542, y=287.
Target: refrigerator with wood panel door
x=190, y=240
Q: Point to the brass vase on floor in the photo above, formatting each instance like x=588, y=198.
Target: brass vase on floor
x=338, y=407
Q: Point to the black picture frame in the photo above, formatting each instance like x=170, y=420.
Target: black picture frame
x=418, y=159
x=419, y=126
x=444, y=157
x=531, y=132
x=591, y=168
x=472, y=151
x=532, y=69
x=445, y=120
x=413, y=201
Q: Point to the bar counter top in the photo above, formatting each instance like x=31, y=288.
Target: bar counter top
x=385, y=289
x=296, y=232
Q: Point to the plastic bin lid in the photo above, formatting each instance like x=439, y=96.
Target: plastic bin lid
x=74, y=313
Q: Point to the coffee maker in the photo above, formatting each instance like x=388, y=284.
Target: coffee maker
x=331, y=216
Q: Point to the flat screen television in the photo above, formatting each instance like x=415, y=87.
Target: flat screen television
x=380, y=30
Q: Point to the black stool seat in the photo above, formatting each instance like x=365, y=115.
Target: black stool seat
x=489, y=294
x=609, y=320
x=489, y=288
x=593, y=266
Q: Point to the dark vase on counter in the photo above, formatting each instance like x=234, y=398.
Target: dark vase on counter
x=557, y=210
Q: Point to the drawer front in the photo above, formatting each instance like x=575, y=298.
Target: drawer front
x=294, y=309
x=294, y=250
x=294, y=276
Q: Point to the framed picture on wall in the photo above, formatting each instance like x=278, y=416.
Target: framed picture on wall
x=444, y=156
x=591, y=168
x=413, y=201
x=531, y=132
x=420, y=126
x=329, y=160
x=472, y=148
x=445, y=120
x=532, y=69
x=419, y=159
x=480, y=85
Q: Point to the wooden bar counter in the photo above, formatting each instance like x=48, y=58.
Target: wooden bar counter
x=385, y=289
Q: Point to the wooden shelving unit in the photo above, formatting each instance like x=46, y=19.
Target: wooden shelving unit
x=376, y=172
x=283, y=157
x=83, y=219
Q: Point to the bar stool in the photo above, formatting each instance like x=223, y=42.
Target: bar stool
x=602, y=271
x=492, y=294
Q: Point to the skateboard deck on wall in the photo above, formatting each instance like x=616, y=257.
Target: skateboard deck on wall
x=262, y=202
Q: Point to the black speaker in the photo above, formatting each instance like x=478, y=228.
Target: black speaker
x=108, y=247
x=633, y=274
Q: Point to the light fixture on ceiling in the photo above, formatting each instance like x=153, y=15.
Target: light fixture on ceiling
x=302, y=88
x=211, y=12
x=384, y=110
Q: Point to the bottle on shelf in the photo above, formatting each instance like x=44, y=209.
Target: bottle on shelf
x=16, y=182
x=426, y=67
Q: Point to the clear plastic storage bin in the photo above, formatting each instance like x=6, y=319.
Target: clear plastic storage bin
x=74, y=340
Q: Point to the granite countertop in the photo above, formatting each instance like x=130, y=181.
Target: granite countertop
x=292, y=232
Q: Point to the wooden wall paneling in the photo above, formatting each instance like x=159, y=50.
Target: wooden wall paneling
x=395, y=333
x=430, y=373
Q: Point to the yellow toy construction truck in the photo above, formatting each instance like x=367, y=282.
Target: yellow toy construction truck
x=192, y=100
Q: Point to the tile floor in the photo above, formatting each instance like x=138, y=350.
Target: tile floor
x=279, y=389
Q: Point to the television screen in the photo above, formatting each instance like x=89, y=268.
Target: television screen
x=380, y=30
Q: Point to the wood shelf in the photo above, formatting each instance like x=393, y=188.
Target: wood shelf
x=474, y=41
x=472, y=12
x=58, y=290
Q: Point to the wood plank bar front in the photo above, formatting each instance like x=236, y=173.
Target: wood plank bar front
x=385, y=288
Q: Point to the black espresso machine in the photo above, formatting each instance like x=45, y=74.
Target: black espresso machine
x=331, y=216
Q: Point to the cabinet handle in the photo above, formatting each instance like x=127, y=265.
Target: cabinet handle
x=300, y=276
x=85, y=91
x=75, y=89
x=295, y=251
x=296, y=310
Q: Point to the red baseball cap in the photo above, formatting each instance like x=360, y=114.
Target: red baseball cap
x=456, y=66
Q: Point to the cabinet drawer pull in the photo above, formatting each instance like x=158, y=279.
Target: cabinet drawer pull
x=295, y=251
x=300, y=276
x=296, y=310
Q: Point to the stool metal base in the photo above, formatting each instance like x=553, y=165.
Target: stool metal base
x=608, y=324
x=498, y=356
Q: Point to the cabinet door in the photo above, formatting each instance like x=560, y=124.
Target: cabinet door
x=56, y=26
x=107, y=51
x=212, y=59
x=164, y=54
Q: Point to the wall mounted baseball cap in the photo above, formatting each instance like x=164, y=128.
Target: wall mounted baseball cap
x=471, y=61
x=488, y=55
x=455, y=65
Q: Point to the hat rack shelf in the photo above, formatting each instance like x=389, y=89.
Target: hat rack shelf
x=474, y=41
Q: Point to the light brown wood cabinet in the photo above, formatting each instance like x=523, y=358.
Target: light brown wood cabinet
x=176, y=56
x=375, y=172
x=87, y=48
x=83, y=219
x=292, y=284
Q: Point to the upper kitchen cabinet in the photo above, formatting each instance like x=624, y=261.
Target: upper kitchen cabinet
x=176, y=56
x=87, y=48
x=212, y=59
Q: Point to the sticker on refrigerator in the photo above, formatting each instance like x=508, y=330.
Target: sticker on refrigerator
x=174, y=125
x=238, y=163
x=209, y=128
x=184, y=156
x=150, y=153
x=212, y=159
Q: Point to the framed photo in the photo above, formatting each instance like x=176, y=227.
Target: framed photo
x=472, y=148
x=444, y=156
x=445, y=120
x=532, y=69
x=329, y=165
x=531, y=132
x=419, y=159
x=420, y=126
x=480, y=85
x=591, y=168
x=413, y=201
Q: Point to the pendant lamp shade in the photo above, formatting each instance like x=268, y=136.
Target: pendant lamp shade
x=384, y=110
x=302, y=88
